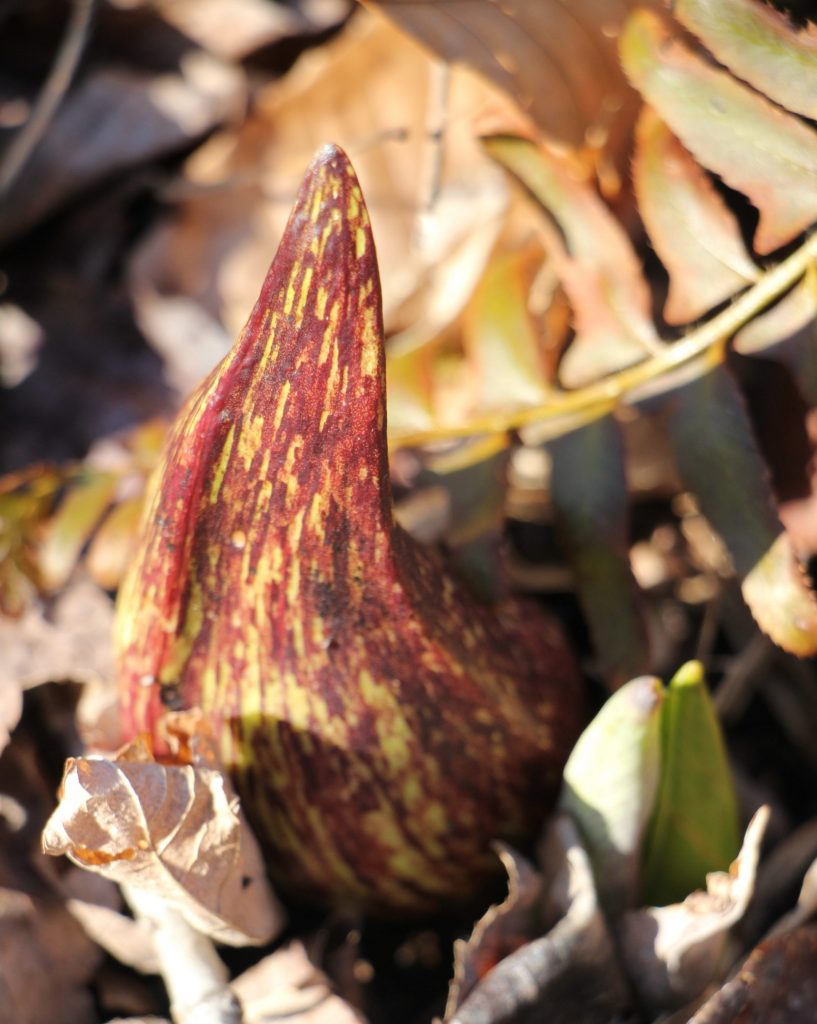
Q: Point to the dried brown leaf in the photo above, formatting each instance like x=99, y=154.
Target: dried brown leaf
x=287, y=985
x=540, y=54
x=46, y=963
x=70, y=638
x=571, y=973
x=500, y=931
x=672, y=953
x=369, y=90
x=116, y=119
x=776, y=985
x=174, y=830
x=233, y=28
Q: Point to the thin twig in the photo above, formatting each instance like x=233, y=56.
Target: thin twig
x=706, y=343
x=51, y=94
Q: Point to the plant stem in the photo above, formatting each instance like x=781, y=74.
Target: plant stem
x=707, y=340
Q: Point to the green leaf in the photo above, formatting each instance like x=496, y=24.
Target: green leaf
x=589, y=495
x=753, y=145
x=694, y=234
x=610, y=784
x=719, y=461
x=500, y=339
x=595, y=262
x=759, y=45
x=72, y=524
x=695, y=827
x=473, y=475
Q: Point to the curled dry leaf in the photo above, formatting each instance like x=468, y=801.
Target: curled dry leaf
x=569, y=974
x=369, y=90
x=672, y=953
x=116, y=119
x=538, y=53
x=776, y=985
x=174, y=830
x=500, y=931
x=231, y=29
x=46, y=962
x=286, y=985
x=69, y=638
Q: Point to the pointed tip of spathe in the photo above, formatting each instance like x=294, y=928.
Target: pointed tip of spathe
x=330, y=157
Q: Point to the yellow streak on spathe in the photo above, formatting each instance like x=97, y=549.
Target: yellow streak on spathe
x=360, y=242
x=221, y=465
x=320, y=302
x=250, y=439
x=280, y=405
x=370, y=344
x=304, y=293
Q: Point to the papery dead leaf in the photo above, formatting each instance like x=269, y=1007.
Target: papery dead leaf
x=538, y=53
x=776, y=985
x=694, y=234
x=115, y=119
x=287, y=985
x=368, y=90
x=46, y=963
x=174, y=830
x=231, y=29
x=673, y=952
x=569, y=974
x=501, y=930
x=127, y=940
x=753, y=145
x=69, y=638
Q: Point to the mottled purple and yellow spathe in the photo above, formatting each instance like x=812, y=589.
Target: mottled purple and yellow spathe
x=382, y=727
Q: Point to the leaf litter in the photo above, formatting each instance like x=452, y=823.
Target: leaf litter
x=63, y=635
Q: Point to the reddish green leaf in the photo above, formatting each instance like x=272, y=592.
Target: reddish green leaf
x=696, y=237
x=760, y=45
x=595, y=262
x=719, y=461
x=695, y=827
x=754, y=146
x=590, y=498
